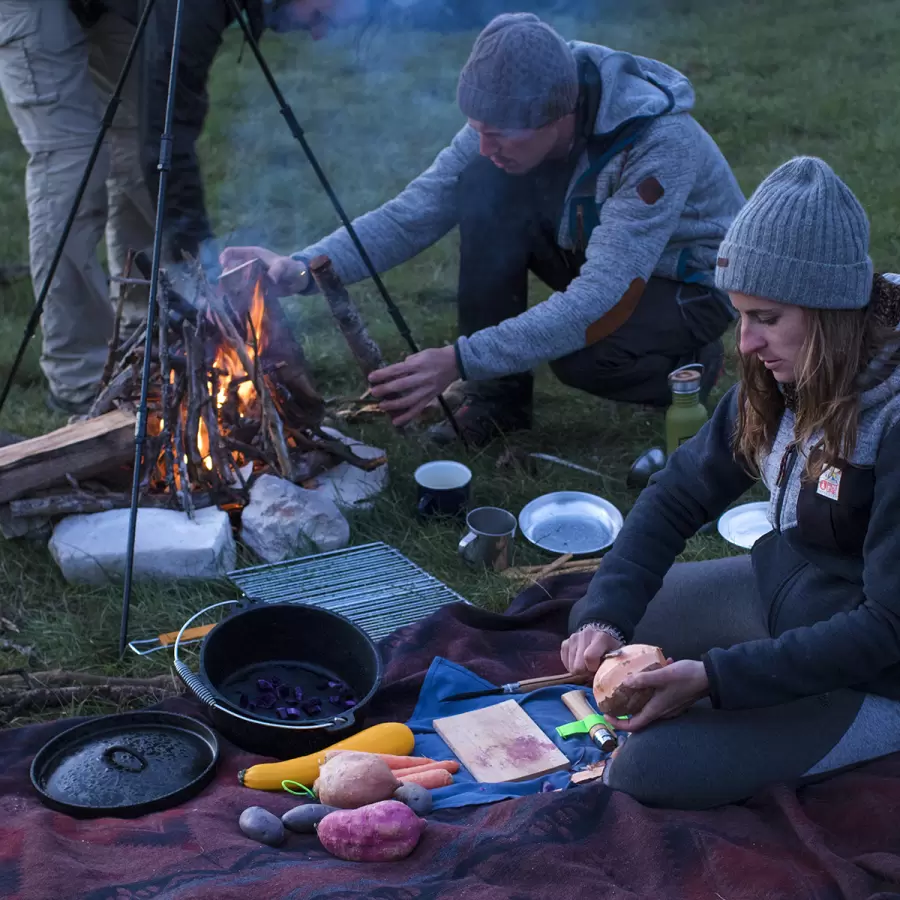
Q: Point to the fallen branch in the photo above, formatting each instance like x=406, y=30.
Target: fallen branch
x=62, y=678
x=15, y=703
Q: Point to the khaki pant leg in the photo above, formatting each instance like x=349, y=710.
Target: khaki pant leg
x=56, y=110
x=130, y=222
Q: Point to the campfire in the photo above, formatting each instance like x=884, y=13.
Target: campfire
x=229, y=397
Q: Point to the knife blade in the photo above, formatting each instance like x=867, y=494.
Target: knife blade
x=521, y=687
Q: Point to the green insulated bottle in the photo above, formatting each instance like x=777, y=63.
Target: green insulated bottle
x=687, y=415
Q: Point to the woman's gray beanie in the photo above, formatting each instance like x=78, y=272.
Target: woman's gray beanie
x=802, y=238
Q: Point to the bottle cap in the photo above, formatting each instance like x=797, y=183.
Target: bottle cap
x=686, y=379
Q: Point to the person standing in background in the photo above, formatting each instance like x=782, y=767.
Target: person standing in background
x=59, y=63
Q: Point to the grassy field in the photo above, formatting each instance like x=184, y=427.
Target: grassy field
x=772, y=79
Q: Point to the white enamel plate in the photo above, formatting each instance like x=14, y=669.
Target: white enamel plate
x=744, y=525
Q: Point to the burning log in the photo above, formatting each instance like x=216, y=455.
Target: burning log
x=347, y=316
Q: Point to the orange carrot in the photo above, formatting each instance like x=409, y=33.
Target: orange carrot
x=449, y=764
x=394, y=762
x=436, y=778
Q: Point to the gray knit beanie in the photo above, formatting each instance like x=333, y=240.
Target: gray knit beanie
x=802, y=238
x=520, y=74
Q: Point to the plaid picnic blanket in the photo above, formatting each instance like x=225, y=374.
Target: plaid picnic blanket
x=837, y=839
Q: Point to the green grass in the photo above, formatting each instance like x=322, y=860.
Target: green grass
x=772, y=79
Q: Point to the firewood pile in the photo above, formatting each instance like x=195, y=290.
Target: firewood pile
x=230, y=396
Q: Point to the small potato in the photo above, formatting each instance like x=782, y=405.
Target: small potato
x=417, y=798
x=261, y=825
x=304, y=818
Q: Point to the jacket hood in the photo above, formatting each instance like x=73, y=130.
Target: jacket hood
x=883, y=373
x=628, y=90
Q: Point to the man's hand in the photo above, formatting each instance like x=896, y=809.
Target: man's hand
x=676, y=687
x=584, y=650
x=287, y=275
x=411, y=385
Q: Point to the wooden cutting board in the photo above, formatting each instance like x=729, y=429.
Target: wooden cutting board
x=500, y=743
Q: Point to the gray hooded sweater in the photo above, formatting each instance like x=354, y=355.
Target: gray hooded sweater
x=828, y=574
x=640, y=233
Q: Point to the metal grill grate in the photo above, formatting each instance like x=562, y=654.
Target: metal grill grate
x=375, y=586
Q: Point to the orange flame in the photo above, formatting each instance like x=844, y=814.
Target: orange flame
x=228, y=362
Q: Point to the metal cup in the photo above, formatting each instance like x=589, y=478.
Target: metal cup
x=490, y=538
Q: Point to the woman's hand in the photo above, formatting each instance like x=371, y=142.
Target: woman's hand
x=584, y=650
x=676, y=687
x=408, y=387
x=287, y=275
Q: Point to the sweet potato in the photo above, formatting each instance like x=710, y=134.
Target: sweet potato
x=352, y=780
x=612, y=696
x=435, y=778
x=380, y=832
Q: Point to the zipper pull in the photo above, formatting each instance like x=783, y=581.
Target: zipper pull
x=782, y=468
x=579, y=220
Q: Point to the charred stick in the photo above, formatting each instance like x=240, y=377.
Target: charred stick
x=120, y=388
x=217, y=453
x=117, y=323
x=347, y=315
x=166, y=404
x=181, y=458
x=136, y=340
x=194, y=349
x=90, y=502
x=345, y=453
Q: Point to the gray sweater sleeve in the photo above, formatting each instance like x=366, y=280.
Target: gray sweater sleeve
x=635, y=226
x=850, y=648
x=401, y=228
x=698, y=483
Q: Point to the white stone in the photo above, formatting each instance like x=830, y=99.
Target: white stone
x=168, y=545
x=349, y=486
x=283, y=520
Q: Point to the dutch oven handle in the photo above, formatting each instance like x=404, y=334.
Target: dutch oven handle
x=203, y=693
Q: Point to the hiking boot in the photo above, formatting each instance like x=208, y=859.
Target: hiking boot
x=483, y=416
x=712, y=356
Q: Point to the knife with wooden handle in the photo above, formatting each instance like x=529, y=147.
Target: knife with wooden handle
x=600, y=734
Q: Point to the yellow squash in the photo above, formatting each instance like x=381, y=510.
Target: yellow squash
x=388, y=737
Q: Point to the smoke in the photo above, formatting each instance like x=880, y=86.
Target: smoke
x=376, y=103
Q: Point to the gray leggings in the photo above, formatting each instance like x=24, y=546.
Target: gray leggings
x=708, y=757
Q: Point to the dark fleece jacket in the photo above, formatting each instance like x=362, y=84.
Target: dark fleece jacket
x=828, y=573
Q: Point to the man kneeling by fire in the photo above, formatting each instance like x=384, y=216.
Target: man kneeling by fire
x=584, y=166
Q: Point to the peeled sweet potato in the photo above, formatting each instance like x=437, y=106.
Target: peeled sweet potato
x=613, y=698
x=380, y=832
x=351, y=780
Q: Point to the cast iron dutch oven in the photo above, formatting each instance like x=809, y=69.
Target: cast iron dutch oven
x=305, y=646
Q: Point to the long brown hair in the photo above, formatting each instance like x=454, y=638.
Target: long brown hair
x=839, y=345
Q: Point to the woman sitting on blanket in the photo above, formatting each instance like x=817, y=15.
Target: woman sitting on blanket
x=787, y=661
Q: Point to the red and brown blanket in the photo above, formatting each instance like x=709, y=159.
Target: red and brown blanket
x=837, y=840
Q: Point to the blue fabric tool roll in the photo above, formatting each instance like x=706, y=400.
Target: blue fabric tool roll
x=544, y=706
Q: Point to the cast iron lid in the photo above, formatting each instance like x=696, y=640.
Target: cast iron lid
x=125, y=765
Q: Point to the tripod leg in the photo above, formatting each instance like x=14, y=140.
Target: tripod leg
x=298, y=134
x=165, y=164
x=105, y=123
